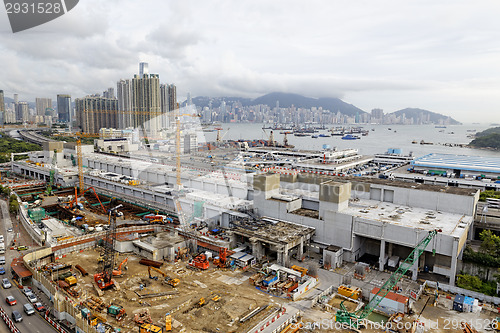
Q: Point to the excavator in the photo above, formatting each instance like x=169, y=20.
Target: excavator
x=168, y=279
x=222, y=262
x=118, y=272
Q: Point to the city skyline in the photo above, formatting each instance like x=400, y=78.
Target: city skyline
x=439, y=57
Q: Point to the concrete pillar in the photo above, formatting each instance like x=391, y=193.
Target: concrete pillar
x=389, y=250
x=414, y=268
x=453, y=268
x=257, y=250
x=280, y=258
x=300, y=249
x=381, y=259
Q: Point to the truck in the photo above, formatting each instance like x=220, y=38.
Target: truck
x=270, y=280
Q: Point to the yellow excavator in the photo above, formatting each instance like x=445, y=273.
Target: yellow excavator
x=168, y=279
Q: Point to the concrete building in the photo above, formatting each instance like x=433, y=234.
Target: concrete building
x=143, y=68
x=42, y=104
x=22, y=112
x=371, y=219
x=146, y=107
x=124, y=95
x=2, y=108
x=115, y=146
x=95, y=112
x=64, y=108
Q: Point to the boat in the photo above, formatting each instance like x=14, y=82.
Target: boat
x=414, y=142
x=301, y=134
x=389, y=129
x=324, y=136
x=373, y=129
x=426, y=143
x=314, y=136
x=439, y=126
x=350, y=137
x=218, y=128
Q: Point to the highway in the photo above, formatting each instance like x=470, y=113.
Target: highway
x=30, y=324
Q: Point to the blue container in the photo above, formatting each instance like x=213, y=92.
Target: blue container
x=458, y=303
x=468, y=304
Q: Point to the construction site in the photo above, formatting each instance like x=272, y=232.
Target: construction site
x=138, y=245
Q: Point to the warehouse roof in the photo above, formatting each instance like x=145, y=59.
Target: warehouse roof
x=460, y=162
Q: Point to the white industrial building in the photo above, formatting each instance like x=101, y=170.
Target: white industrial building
x=374, y=217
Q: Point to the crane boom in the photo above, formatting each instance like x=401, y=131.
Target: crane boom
x=345, y=316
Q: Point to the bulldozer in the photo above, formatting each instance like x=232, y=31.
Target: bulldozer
x=116, y=311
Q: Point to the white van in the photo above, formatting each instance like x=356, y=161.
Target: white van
x=2, y=248
x=2, y=260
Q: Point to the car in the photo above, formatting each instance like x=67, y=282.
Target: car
x=10, y=300
x=2, y=270
x=28, y=309
x=16, y=316
x=39, y=307
x=10, y=230
x=27, y=290
x=6, y=284
x=32, y=298
x=1, y=239
x=22, y=248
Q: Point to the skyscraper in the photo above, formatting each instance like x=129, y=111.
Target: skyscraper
x=22, y=112
x=146, y=105
x=96, y=112
x=42, y=104
x=143, y=68
x=64, y=108
x=2, y=108
x=124, y=94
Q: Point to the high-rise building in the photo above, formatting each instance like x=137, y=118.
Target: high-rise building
x=22, y=112
x=172, y=97
x=64, y=108
x=96, y=112
x=16, y=98
x=124, y=94
x=146, y=107
x=42, y=104
x=110, y=93
x=2, y=108
x=143, y=69
x=189, y=101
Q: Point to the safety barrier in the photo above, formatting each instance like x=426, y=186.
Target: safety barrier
x=268, y=321
x=8, y=321
x=54, y=323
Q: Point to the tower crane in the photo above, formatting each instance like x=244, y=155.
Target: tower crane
x=353, y=319
x=104, y=279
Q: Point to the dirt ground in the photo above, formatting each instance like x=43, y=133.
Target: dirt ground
x=238, y=296
x=436, y=319
x=335, y=302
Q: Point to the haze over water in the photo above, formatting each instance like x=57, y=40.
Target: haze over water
x=377, y=141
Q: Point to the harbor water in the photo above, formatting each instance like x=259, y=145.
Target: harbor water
x=378, y=140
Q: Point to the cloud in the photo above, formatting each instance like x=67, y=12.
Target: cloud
x=441, y=56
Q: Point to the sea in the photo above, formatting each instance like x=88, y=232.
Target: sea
x=379, y=139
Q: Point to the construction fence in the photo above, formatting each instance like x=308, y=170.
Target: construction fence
x=465, y=292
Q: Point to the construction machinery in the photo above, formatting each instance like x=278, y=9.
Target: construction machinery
x=353, y=319
x=116, y=311
x=150, y=328
x=118, y=272
x=103, y=279
x=200, y=262
x=143, y=317
x=168, y=280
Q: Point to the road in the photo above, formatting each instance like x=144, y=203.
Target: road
x=34, y=323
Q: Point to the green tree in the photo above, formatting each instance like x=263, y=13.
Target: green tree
x=490, y=243
x=13, y=207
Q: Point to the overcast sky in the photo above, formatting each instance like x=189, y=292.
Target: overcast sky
x=443, y=56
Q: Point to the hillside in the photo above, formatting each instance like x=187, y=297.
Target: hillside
x=435, y=118
x=285, y=100
x=494, y=130
x=489, y=138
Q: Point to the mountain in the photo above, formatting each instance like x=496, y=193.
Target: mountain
x=489, y=138
x=285, y=100
x=493, y=130
x=435, y=118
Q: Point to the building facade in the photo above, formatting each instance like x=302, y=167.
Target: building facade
x=96, y=112
x=42, y=104
x=64, y=108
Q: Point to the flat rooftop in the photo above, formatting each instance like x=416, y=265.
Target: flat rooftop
x=410, y=217
x=271, y=230
x=460, y=162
